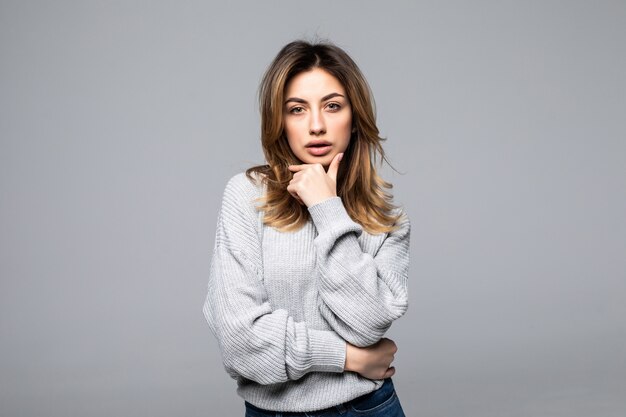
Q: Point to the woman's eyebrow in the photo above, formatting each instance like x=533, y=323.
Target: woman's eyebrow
x=331, y=95
x=295, y=100
x=326, y=97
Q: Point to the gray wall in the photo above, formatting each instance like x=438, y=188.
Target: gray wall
x=121, y=121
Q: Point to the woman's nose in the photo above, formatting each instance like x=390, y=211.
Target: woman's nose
x=316, y=123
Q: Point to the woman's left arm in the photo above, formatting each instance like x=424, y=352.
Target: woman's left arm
x=361, y=295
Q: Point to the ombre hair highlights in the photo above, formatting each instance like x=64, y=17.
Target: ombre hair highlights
x=363, y=193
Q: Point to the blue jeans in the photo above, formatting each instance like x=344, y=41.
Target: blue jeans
x=383, y=402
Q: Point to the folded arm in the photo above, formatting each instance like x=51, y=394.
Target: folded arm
x=257, y=343
x=361, y=294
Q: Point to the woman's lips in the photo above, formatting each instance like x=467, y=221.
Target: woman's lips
x=319, y=150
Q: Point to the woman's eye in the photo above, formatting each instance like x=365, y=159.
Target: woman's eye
x=334, y=106
x=296, y=110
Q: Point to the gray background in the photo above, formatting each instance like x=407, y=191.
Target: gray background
x=121, y=121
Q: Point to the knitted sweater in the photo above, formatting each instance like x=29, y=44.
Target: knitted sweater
x=282, y=305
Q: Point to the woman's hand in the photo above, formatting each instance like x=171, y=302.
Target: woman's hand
x=311, y=184
x=373, y=362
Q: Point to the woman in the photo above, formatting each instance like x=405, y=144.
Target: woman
x=311, y=258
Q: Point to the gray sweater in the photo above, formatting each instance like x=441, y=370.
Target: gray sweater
x=282, y=305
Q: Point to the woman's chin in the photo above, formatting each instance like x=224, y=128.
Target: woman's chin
x=324, y=160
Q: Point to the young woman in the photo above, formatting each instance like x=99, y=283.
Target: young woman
x=311, y=258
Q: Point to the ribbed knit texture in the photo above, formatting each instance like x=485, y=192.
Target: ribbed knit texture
x=283, y=304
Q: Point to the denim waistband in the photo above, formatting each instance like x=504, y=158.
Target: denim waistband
x=362, y=402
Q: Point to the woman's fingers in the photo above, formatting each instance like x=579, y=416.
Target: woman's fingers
x=333, y=168
x=390, y=372
x=311, y=183
x=296, y=168
x=294, y=194
x=374, y=361
x=292, y=188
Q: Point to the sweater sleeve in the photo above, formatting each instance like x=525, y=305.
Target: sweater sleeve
x=361, y=295
x=256, y=342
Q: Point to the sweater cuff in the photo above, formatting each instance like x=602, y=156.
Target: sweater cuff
x=328, y=351
x=330, y=214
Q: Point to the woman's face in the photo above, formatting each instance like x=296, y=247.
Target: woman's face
x=317, y=117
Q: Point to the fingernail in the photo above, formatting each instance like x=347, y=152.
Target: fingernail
x=340, y=156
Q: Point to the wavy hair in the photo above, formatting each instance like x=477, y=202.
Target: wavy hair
x=362, y=191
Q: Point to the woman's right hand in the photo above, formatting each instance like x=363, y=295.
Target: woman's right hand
x=372, y=362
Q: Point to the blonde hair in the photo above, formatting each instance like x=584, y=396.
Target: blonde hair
x=363, y=193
